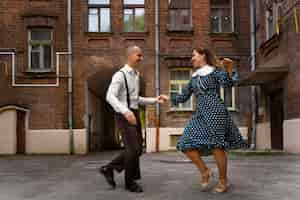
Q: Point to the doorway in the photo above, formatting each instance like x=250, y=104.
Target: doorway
x=102, y=132
x=21, y=133
x=276, y=116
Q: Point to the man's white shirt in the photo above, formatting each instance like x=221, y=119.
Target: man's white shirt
x=116, y=95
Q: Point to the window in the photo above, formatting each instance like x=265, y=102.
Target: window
x=179, y=78
x=228, y=96
x=134, y=16
x=222, y=16
x=272, y=17
x=180, y=17
x=270, y=24
x=40, y=45
x=99, y=16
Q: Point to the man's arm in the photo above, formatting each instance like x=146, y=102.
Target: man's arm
x=111, y=97
x=151, y=100
x=112, y=93
x=147, y=100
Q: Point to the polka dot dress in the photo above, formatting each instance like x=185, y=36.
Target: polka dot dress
x=211, y=125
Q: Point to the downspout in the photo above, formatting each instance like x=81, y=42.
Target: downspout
x=157, y=74
x=70, y=78
x=253, y=67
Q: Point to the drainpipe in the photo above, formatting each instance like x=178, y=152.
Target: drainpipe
x=70, y=81
x=253, y=66
x=157, y=74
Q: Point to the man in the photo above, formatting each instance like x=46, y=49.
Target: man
x=123, y=96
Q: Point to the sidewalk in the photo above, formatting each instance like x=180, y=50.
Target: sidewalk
x=166, y=176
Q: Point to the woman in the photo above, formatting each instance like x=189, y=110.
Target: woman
x=211, y=129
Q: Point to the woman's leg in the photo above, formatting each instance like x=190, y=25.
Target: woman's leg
x=221, y=160
x=195, y=157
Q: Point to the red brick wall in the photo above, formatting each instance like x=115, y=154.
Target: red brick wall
x=96, y=54
x=48, y=105
x=282, y=51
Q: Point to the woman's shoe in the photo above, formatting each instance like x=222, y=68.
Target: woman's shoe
x=221, y=187
x=205, y=180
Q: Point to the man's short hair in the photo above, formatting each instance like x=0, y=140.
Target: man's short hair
x=131, y=49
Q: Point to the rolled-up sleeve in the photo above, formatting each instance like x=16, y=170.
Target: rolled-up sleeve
x=112, y=94
x=224, y=79
x=147, y=100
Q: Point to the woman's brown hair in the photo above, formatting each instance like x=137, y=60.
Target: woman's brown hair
x=209, y=56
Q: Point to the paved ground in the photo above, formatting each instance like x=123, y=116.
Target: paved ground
x=166, y=176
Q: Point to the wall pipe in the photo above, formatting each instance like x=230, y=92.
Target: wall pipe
x=157, y=73
x=13, y=74
x=253, y=67
x=70, y=76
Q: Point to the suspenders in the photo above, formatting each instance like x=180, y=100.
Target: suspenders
x=127, y=90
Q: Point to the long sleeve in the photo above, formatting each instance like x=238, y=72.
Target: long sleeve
x=113, y=94
x=224, y=79
x=147, y=100
x=184, y=96
x=235, y=78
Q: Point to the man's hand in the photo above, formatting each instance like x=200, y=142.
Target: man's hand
x=162, y=98
x=130, y=117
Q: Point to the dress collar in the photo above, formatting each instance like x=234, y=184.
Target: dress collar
x=203, y=71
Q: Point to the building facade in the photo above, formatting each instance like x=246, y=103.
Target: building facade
x=37, y=82
x=277, y=74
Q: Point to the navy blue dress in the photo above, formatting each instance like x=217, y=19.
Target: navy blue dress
x=211, y=125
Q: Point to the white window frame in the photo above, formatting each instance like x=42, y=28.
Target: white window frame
x=133, y=7
x=40, y=42
x=232, y=19
x=181, y=84
x=99, y=8
x=233, y=106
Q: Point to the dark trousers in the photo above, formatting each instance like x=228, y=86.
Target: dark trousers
x=129, y=159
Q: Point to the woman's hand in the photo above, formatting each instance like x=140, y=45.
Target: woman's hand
x=227, y=64
x=162, y=98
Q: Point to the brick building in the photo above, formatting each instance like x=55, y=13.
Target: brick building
x=35, y=70
x=277, y=74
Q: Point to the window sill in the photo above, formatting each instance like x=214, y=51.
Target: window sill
x=99, y=34
x=135, y=34
x=39, y=74
x=228, y=35
x=39, y=71
x=230, y=109
x=180, y=29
